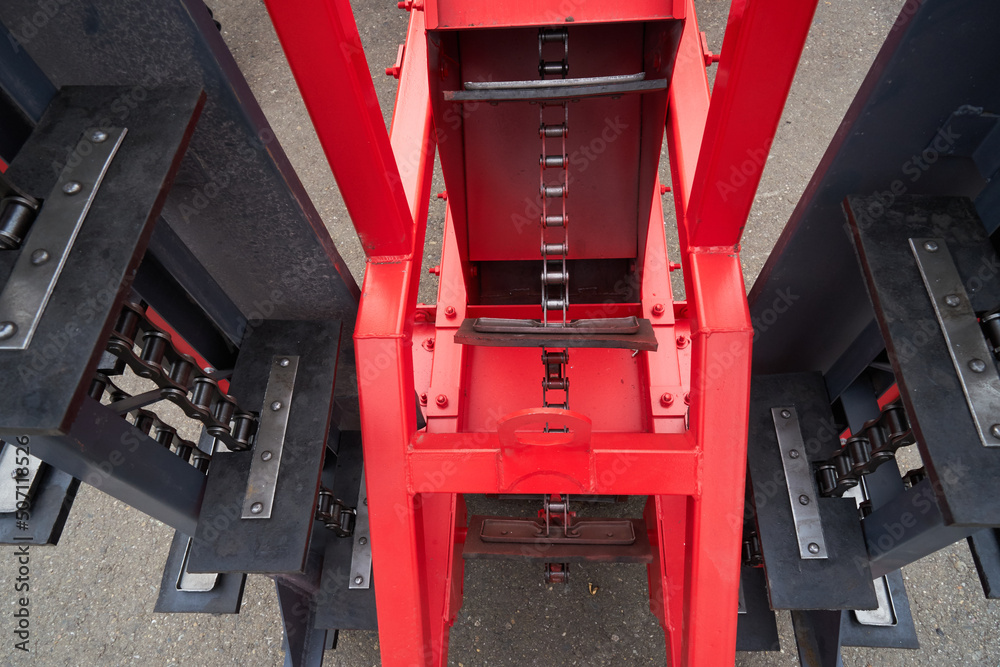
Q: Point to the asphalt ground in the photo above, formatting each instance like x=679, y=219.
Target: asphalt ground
x=92, y=596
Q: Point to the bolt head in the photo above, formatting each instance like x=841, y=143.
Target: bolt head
x=785, y=414
x=931, y=246
x=97, y=136
x=813, y=548
x=266, y=456
x=977, y=365
x=658, y=309
x=667, y=399
x=450, y=312
x=952, y=300
x=257, y=508
x=363, y=541
x=40, y=256
x=284, y=362
x=7, y=330
x=72, y=187
x=682, y=341
x=359, y=580
x=803, y=499
x=276, y=406
x=995, y=431
x=441, y=400
x=423, y=398
x=793, y=454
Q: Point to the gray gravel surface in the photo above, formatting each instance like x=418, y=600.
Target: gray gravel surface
x=92, y=596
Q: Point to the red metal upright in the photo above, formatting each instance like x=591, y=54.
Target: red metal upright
x=669, y=424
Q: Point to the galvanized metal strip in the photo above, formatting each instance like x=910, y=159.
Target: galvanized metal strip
x=270, y=439
x=964, y=338
x=51, y=238
x=194, y=582
x=361, y=553
x=801, y=484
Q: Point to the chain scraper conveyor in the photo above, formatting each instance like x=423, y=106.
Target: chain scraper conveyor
x=151, y=226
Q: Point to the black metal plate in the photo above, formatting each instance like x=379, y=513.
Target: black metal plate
x=43, y=385
x=901, y=635
x=643, y=339
x=962, y=469
x=50, y=505
x=338, y=605
x=841, y=581
x=985, y=547
x=225, y=542
x=225, y=598
x=757, y=629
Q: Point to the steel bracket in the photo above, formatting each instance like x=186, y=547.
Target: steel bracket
x=966, y=343
x=361, y=552
x=270, y=440
x=801, y=484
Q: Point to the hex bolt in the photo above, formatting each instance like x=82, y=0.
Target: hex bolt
x=995, y=430
x=276, y=406
x=284, y=363
x=793, y=453
x=931, y=246
x=450, y=312
x=803, y=499
x=257, y=508
x=40, y=256
x=441, y=400
x=72, y=187
x=657, y=309
x=667, y=399
x=785, y=414
x=977, y=365
x=7, y=330
x=687, y=398
x=813, y=548
x=423, y=398
x=428, y=344
x=97, y=136
x=266, y=456
x=362, y=541
x=682, y=341
x=359, y=580
x=952, y=300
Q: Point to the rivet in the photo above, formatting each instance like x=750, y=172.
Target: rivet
x=785, y=414
x=266, y=456
x=995, y=430
x=362, y=541
x=793, y=454
x=803, y=499
x=40, y=256
x=97, y=136
x=952, y=300
x=930, y=246
x=72, y=187
x=284, y=363
x=977, y=365
x=276, y=406
x=813, y=548
x=256, y=508
x=7, y=330
x=359, y=580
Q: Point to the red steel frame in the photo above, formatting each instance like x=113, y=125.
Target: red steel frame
x=692, y=473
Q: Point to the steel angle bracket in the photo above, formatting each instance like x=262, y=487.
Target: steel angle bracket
x=48, y=244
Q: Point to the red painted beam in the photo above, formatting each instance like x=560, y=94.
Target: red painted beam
x=321, y=41
x=760, y=52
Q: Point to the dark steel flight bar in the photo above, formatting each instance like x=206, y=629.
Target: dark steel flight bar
x=554, y=89
x=628, y=333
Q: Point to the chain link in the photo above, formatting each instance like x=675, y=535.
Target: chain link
x=863, y=452
x=178, y=378
x=335, y=515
